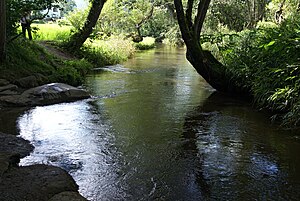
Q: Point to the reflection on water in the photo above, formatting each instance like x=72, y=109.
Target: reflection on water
x=243, y=157
x=155, y=131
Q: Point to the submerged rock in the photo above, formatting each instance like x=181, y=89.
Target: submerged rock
x=46, y=95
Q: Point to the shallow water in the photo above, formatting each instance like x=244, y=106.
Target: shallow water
x=155, y=130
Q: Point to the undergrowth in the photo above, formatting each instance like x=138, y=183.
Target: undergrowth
x=268, y=60
x=107, y=52
x=146, y=44
x=25, y=58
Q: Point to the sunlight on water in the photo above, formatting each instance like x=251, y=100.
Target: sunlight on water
x=154, y=130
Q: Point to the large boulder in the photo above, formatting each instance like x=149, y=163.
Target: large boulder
x=12, y=148
x=14, y=144
x=46, y=95
x=31, y=81
x=35, y=182
x=3, y=82
x=68, y=196
x=27, y=82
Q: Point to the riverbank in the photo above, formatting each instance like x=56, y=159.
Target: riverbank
x=34, y=182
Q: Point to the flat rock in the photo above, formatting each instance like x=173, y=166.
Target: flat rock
x=36, y=182
x=3, y=82
x=8, y=87
x=8, y=92
x=27, y=82
x=12, y=144
x=46, y=95
x=68, y=196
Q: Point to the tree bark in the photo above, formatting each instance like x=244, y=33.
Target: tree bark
x=77, y=39
x=2, y=30
x=216, y=74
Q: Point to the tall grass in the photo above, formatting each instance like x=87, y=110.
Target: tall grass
x=100, y=52
x=107, y=52
x=51, y=32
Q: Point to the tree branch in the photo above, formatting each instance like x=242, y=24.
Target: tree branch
x=138, y=25
x=189, y=12
x=199, y=19
x=186, y=31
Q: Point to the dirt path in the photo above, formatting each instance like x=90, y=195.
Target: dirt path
x=56, y=51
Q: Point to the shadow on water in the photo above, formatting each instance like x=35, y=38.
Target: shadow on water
x=238, y=154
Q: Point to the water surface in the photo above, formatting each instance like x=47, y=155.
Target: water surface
x=155, y=130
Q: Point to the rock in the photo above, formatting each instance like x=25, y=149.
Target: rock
x=36, y=182
x=46, y=95
x=68, y=196
x=8, y=92
x=27, y=82
x=8, y=160
x=3, y=82
x=12, y=144
x=8, y=87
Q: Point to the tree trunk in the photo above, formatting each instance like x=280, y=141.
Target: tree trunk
x=216, y=74
x=2, y=30
x=77, y=39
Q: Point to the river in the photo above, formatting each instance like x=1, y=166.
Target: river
x=155, y=130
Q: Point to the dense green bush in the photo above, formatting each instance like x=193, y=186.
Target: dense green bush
x=269, y=58
x=146, y=44
x=107, y=52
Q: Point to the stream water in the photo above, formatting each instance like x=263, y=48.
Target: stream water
x=155, y=130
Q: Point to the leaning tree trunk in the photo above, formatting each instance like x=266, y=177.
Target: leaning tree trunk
x=77, y=39
x=216, y=74
x=2, y=30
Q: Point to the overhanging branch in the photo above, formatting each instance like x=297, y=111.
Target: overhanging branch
x=199, y=19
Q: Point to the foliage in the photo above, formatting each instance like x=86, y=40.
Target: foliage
x=269, y=58
x=235, y=14
x=77, y=18
x=146, y=44
x=122, y=16
x=289, y=7
x=18, y=8
x=26, y=58
x=107, y=52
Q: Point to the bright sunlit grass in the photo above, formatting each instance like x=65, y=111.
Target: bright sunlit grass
x=111, y=51
x=147, y=43
x=51, y=32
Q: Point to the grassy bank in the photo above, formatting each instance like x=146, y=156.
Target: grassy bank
x=25, y=58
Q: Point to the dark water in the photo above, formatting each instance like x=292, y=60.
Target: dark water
x=155, y=130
